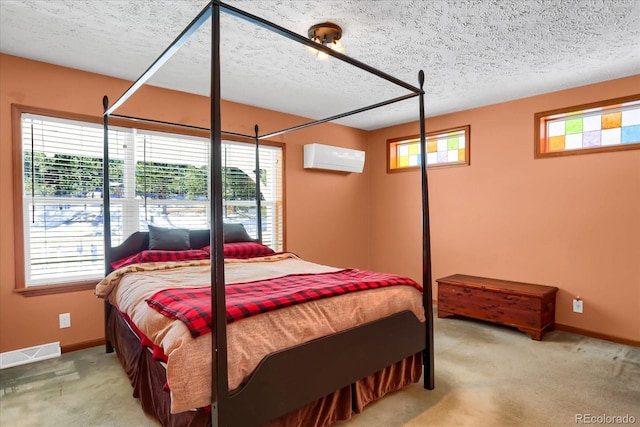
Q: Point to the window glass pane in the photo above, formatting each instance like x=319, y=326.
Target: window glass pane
x=62, y=192
x=592, y=123
x=557, y=128
x=239, y=189
x=432, y=158
x=154, y=177
x=630, y=134
x=65, y=240
x=171, y=182
x=171, y=189
x=611, y=136
x=612, y=126
x=631, y=117
x=443, y=148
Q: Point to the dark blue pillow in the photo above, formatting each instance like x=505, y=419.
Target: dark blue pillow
x=236, y=233
x=169, y=239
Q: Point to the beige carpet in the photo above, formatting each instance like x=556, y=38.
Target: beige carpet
x=486, y=375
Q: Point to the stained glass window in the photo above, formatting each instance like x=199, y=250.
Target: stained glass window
x=444, y=148
x=606, y=126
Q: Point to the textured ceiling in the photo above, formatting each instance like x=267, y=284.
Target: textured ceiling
x=473, y=52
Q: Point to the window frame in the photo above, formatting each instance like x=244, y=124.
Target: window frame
x=394, y=142
x=17, y=111
x=539, y=129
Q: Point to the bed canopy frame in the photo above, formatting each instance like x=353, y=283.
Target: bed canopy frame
x=268, y=396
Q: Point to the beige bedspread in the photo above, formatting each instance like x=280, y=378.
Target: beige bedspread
x=248, y=340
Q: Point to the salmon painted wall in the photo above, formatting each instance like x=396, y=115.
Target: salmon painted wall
x=325, y=212
x=571, y=222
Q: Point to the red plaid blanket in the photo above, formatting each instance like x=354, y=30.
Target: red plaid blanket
x=193, y=305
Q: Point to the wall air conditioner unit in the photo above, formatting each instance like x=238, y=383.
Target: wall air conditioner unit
x=319, y=156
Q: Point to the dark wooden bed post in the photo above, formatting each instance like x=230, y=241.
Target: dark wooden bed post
x=258, y=190
x=106, y=214
x=220, y=414
x=427, y=296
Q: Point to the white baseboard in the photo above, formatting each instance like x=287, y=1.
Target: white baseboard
x=29, y=355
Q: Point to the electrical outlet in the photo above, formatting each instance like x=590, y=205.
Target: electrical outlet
x=577, y=306
x=65, y=320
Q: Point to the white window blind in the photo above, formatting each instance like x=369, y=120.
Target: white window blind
x=159, y=179
x=155, y=178
x=239, y=189
x=62, y=200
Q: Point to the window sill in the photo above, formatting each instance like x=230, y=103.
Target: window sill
x=35, y=291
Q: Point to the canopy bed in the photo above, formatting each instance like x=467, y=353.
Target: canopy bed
x=314, y=379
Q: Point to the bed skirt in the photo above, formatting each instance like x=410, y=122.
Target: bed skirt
x=148, y=378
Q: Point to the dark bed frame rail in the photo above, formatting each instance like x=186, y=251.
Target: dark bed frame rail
x=298, y=375
x=368, y=344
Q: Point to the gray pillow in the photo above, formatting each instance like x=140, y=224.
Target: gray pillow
x=236, y=233
x=169, y=239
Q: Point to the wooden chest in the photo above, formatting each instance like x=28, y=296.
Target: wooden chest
x=528, y=307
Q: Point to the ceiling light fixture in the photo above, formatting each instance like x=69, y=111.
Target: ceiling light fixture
x=327, y=34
